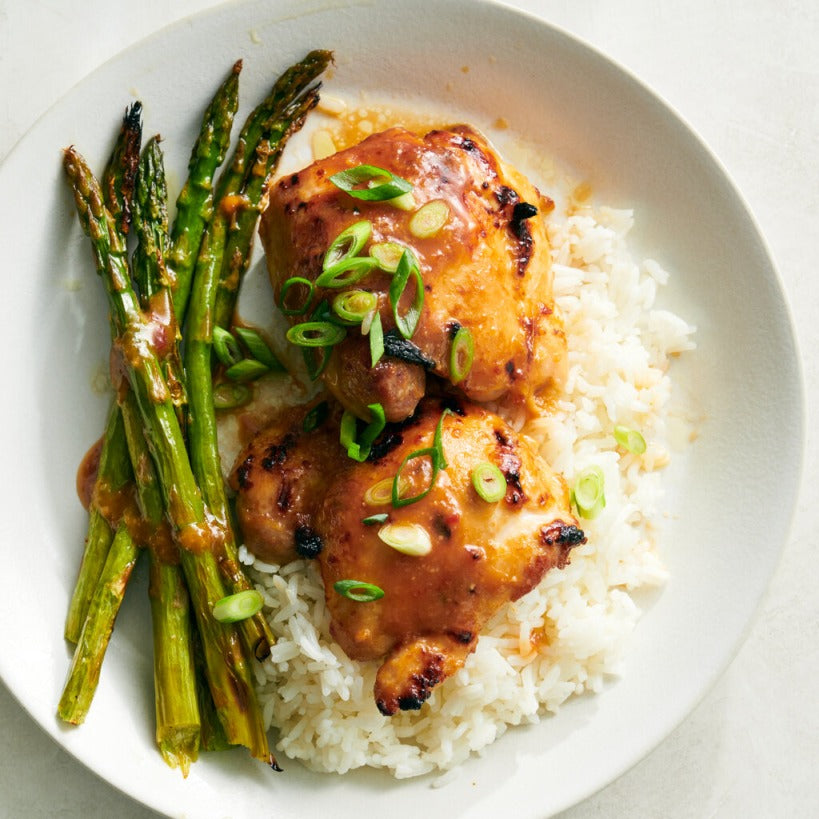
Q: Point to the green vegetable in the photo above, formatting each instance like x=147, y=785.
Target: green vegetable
x=358, y=590
x=354, y=306
x=316, y=334
x=348, y=243
x=230, y=394
x=378, y=183
x=588, y=493
x=376, y=340
x=371, y=520
x=408, y=538
x=239, y=606
x=225, y=347
x=461, y=354
x=429, y=219
x=407, y=266
x=489, y=482
x=296, y=281
x=358, y=450
x=436, y=455
x=346, y=272
x=630, y=439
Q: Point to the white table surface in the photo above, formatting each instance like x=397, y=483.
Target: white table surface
x=746, y=76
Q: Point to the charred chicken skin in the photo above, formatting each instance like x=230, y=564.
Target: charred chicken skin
x=468, y=556
x=487, y=268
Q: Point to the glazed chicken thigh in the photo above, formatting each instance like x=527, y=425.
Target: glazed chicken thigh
x=486, y=268
x=466, y=556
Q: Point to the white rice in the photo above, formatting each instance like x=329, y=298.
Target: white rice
x=568, y=635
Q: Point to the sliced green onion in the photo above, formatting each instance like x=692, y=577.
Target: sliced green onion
x=348, y=243
x=371, y=520
x=296, y=281
x=379, y=493
x=370, y=183
x=404, y=202
x=630, y=439
x=429, y=219
x=246, y=370
x=316, y=334
x=229, y=395
x=358, y=450
x=239, y=606
x=346, y=272
x=354, y=305
x=315, y=417
x=489, y=482
x=358, y=590
x=407, y=266
x=461, y=354
x=376, y=340
x=315, y=365
x=437, y=459
x=588, y=492
x=225, y=347
x=258, y=348
x=387, y=254
x=408, y=538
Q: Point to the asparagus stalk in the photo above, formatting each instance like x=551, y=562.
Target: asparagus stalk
x=113, y=476
x=193, y=527
x=195, y=203
x=204, y=449
x=99, y=623
x=175, y=687
x=114, y=472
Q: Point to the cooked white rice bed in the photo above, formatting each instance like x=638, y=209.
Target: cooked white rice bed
x=568, y=635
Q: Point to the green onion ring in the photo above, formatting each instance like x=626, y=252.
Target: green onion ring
x=239, y=606
x=348, y=243
x=630, y=439
x=408, y=538
x=358, y=590
x=379, y=493
x=387, y=254
x=407, y=266
x=247, y=369
x=489, y=482
x=376, y=340
x=461, y=355
x=290, y=283
x=346, y=272
x=379, y=183
x=353, y=306
x=225, y=347
x=230, y=394
x=316, y=334
x=316, y=367
x=371, y=520
x=359, y=450
x=258, y=348
x=588, y=492
x=437, y=459
x=429, y=219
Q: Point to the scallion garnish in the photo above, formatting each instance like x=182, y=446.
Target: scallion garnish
x=353, y=306
x=225, y=347
x=461, y=354
x=437, y=460
x=588, y=492
x=429, y=219
x=489, y=482
x=258, y=348
x=371, y=520
x=358, y=590
x=376, y=340
x=316, y=360
x=348, y=243
x=316, y=334
x=248, y=369
x=408, y=538
x=296, y=281
x=230, y=394
x=346, y=272
x=406, y=201
x=407, y=266
x=315, y=417
x=370, y=183
x=359, y=449
x=630, y=439
x=379, y=493
x=239, y=606
x=387, y=254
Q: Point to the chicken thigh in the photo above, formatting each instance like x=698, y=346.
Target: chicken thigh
x=486, y=268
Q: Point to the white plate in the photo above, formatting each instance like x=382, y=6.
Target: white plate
x=731, y=496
